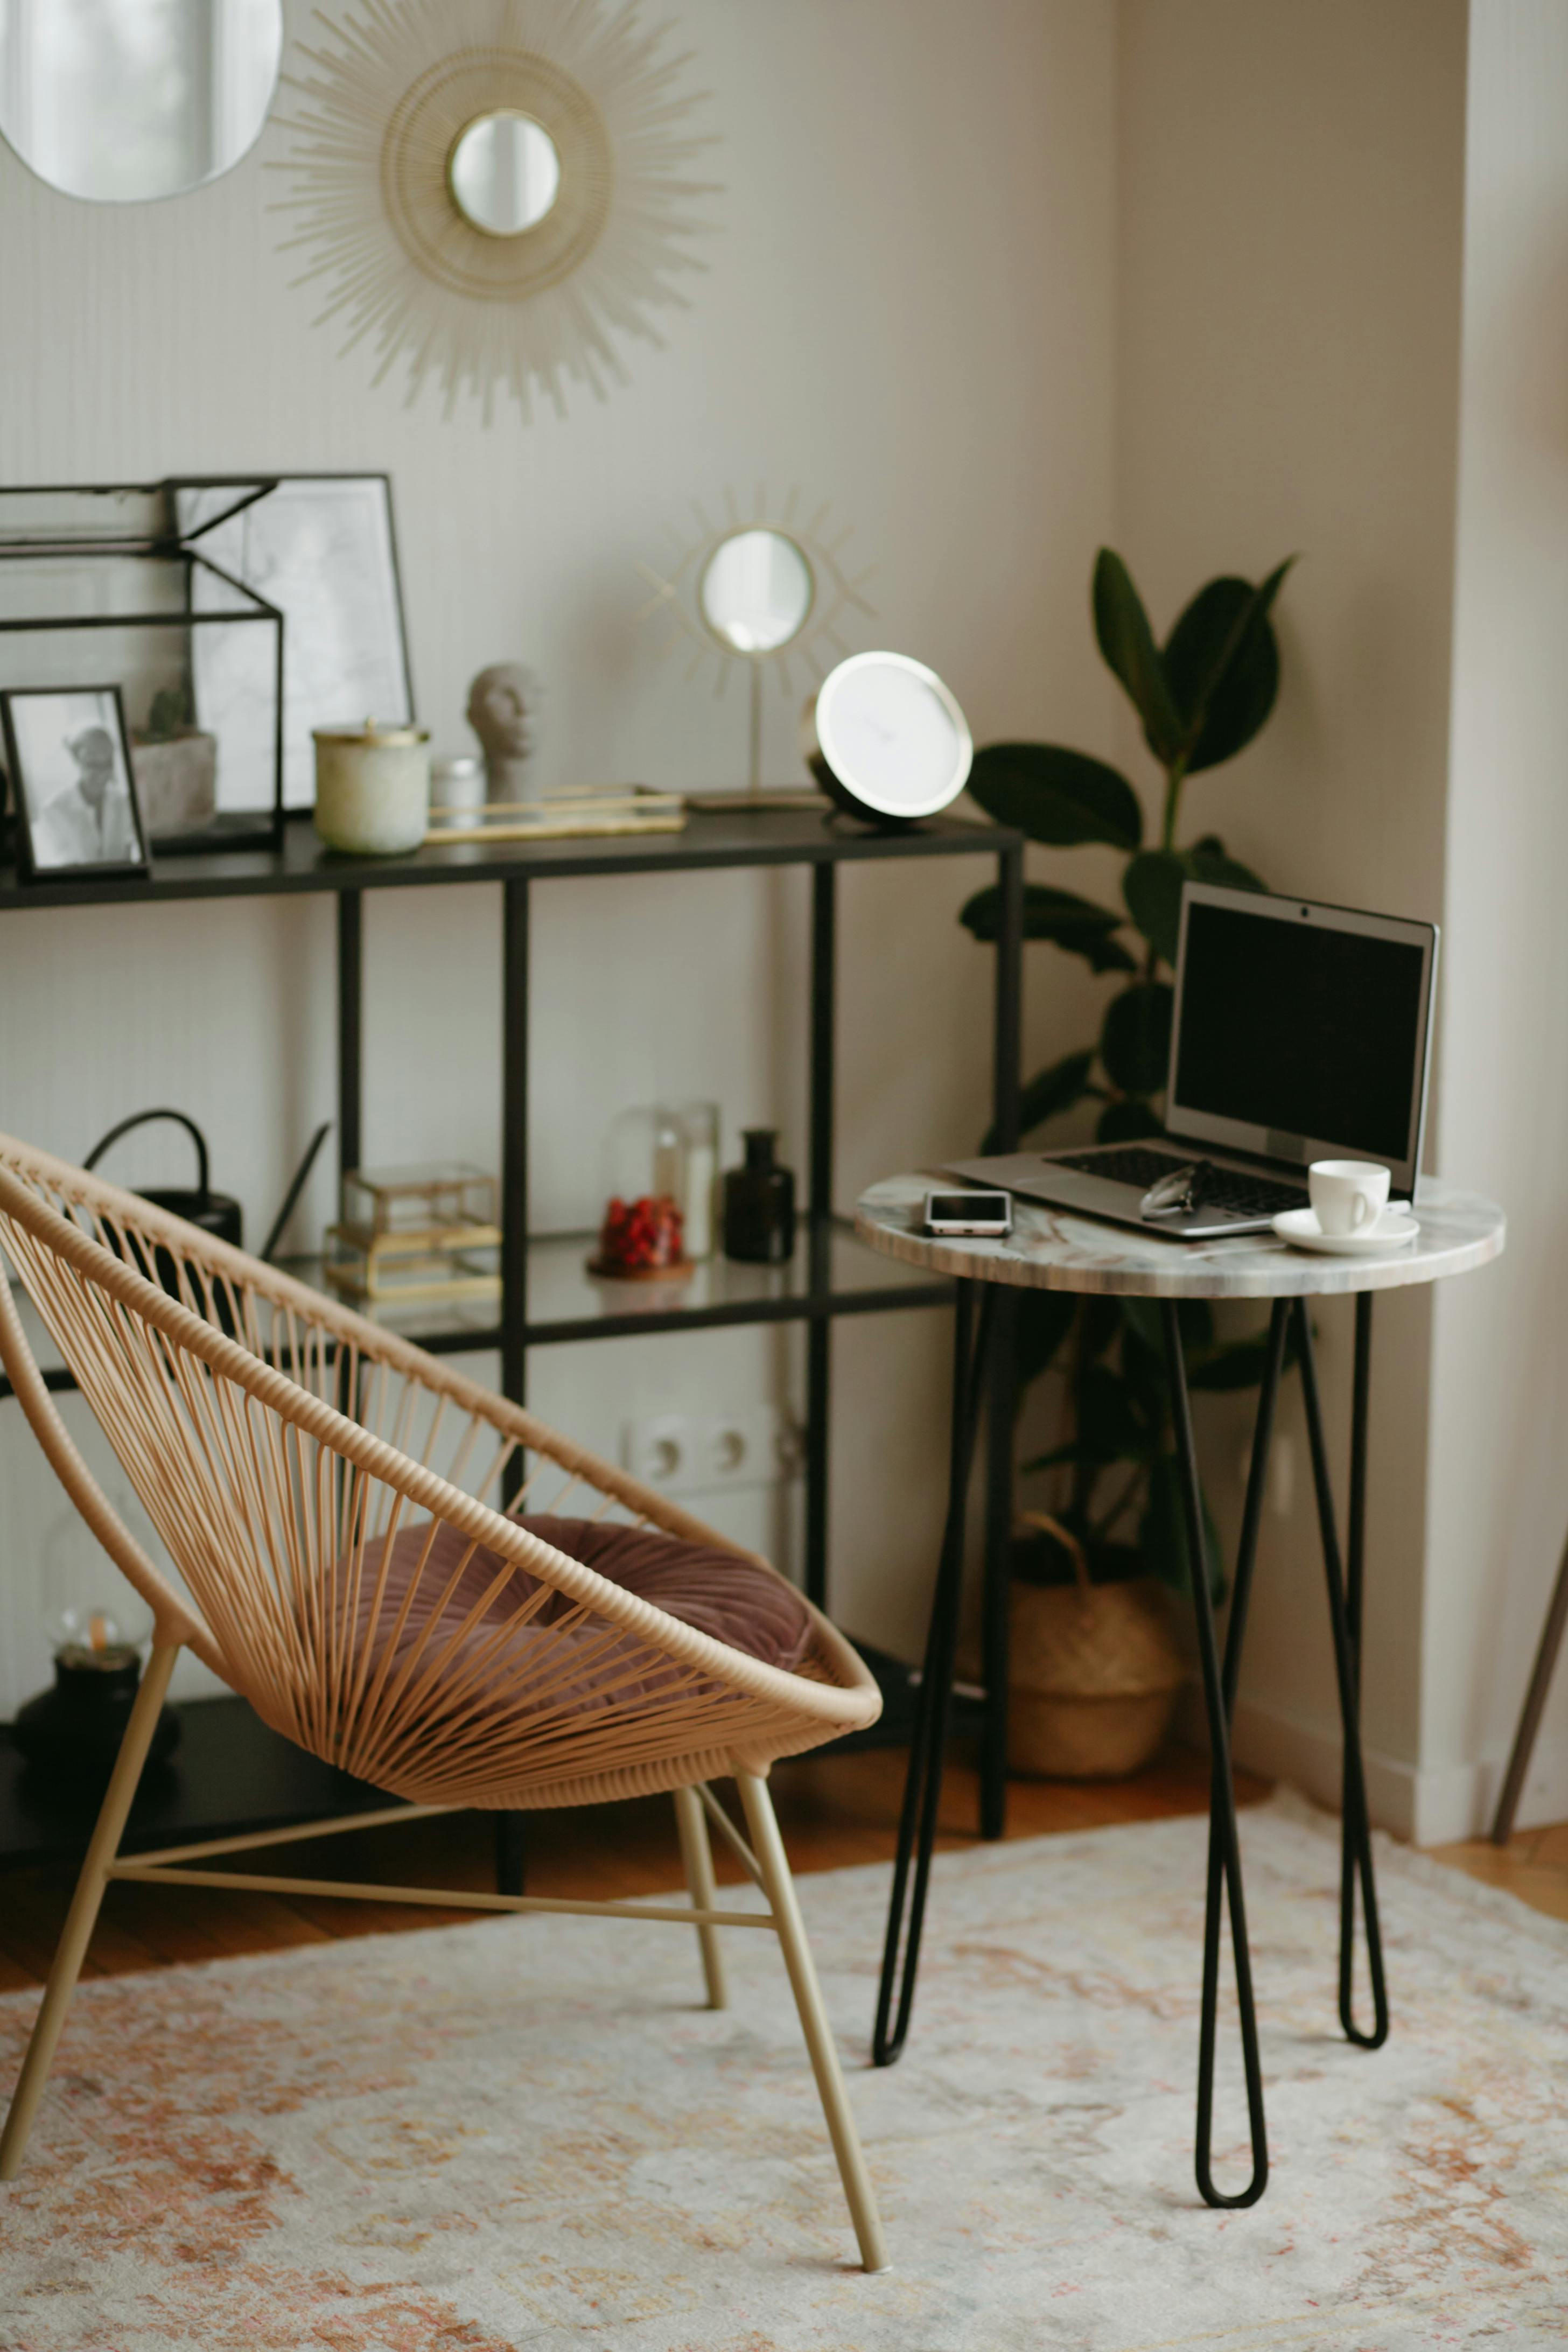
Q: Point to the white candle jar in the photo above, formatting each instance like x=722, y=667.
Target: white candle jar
x=372, y=788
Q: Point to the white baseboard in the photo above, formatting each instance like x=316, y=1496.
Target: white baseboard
x=1426, y=1804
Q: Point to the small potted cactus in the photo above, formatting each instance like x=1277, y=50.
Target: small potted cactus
x=176, y=766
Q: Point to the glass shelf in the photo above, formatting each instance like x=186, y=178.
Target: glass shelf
x=565, y=1302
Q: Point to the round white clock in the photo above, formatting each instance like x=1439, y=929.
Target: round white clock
x=886, y=739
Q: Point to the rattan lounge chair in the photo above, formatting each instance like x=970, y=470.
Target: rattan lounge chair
x=329, y=1496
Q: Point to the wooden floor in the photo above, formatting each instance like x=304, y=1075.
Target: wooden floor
x=832, y=1809
x=1534, y=1866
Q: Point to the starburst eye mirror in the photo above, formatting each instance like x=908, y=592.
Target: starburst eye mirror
x=496, y=193
x=766, y=589
x=756, y=591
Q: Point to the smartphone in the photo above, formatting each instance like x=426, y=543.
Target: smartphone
x=969, y=1212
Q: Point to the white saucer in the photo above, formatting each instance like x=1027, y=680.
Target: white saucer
x=1394, y=1228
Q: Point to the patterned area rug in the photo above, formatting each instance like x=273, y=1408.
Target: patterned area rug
x=525, y=2133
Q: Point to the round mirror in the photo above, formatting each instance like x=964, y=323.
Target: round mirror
x=756, y=591
x=118, y=100
x=886, y=738
x=504, y=173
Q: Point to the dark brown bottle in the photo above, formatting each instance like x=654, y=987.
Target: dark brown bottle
x=759, y=1204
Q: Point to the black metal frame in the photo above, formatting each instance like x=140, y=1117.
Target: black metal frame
x=241, y=829
x=928, y=1743
x=710, y=843
x=922, y=1788
x=251, y=490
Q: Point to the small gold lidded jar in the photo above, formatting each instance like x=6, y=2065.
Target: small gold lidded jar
x=372, y=788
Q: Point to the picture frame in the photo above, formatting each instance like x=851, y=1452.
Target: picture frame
x=322, y=549
x=73, y=783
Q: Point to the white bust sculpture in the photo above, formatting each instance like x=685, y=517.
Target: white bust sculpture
x=502, y=700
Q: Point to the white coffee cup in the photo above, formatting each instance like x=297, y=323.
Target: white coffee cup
x=1348, y=1195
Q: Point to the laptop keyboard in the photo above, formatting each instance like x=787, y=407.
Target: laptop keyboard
x=1226, y=1189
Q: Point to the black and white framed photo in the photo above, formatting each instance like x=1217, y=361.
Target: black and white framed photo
x=72, y=783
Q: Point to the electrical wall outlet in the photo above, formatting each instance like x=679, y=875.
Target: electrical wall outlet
x=698, y=1454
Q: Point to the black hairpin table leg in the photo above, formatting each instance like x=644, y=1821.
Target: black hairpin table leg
x=928, y=1744
x=1219, y=1695
x=1344, y=1619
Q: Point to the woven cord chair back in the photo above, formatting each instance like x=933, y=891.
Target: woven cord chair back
x=328, y=1495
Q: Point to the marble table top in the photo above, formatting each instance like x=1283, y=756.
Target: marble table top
x=1049, y=1250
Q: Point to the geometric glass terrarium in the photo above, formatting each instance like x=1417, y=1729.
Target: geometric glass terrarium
x=415, y=1233
x=98, y=588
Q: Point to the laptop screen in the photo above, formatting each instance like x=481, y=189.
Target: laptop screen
x=1301, y=1029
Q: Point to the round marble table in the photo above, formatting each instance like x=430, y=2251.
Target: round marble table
x=1051, y=1250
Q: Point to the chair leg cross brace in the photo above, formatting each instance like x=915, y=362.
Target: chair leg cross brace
x=764, y=1857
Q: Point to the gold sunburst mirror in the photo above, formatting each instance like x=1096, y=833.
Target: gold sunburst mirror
x=495, y=193
x=765, y=588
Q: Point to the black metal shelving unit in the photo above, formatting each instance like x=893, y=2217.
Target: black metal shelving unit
x=544, y=1299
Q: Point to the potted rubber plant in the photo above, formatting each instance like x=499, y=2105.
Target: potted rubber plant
x=1096, y=1668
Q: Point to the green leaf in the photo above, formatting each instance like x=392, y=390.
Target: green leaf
x=1152, y=887
x=1109, y=1418
x=1222, y=663
x=1145, y=1321
x=1143, y=1350
x=1057, y=1458
x=1143, y=1318
x=1110, y=1428
x=1162, y=1531
x=1195, y=1316
x=1144, y=1358
x=1045, y=1318
x=1128, y=1119
x=1240, y=1363
x=1208, y=863
x=1154, y=881
x=1135, y=1042
x=1057, y=797
x=1125, y=638
x=1055, y=1090
x=1060, y=916
x=1100, y=1324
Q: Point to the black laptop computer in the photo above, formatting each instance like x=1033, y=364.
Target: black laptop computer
x=1299, y=1032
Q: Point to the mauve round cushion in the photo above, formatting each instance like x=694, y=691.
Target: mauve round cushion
x=702, y=1585
x=715, y=1591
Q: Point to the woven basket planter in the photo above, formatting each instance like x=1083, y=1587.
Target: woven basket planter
x=1095, y=1673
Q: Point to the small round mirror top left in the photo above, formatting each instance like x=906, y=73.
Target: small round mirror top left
x=504, y=173
x=756, y=591
x=120, y=101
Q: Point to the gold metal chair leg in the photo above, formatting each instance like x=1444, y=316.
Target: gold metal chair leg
x=698, y=1856
x=83, y=1914
x=779, y=1887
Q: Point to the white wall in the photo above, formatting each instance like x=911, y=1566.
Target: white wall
x=1000, y=284
x=1291, y=186
x=910, y=313
x=1498, y=1493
